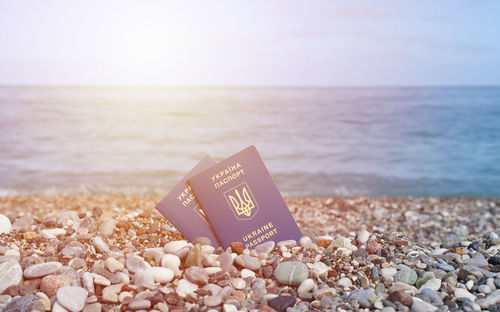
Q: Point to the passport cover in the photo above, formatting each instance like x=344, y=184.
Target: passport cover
x=242, y=202
x=180, y=207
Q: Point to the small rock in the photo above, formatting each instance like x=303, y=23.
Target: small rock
x=492, y=299
x=463, y=293
x=143, y=278
x=139, y=304
x=194, y=257
x=265, y=247
x=248, y=262
x=433, y=283
x=238, y=283
x=281, y=303
x=27, y=303
x=372, y=247
x=432, y=295
x=107, y=227
x=291, y=273
x=51, y=283
x=100, y=245
x=185, y=287
x=476, y=261
x=41, y=269
x=173, y=246
x=161, y=275
x=306, y=286
x=135, y=263
x=305, y=242
x=171, y=262
x=5, y=225
x=388, y=273
x=237, y=247
x=344, y=282
x=485, y=289
x=11, y=274
x=406, y=275
x=421, y=306
x=212, y=301
x=72, y=298
x=114, y=265
x=110, y=293
x=401, y=296
x=362, y=236
x=52, y=233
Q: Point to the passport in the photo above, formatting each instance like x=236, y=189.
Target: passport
x=242, y=202
x=180, y=207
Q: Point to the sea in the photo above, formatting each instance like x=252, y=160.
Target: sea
x=315, y=141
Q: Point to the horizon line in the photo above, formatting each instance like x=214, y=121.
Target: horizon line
x=249, y=86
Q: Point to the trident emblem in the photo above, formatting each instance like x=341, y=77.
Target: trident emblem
x=241, y=201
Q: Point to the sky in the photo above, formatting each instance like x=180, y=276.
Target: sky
x=249, y=43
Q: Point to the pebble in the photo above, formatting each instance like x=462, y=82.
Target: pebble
x=114, y=265
x=306, y=286
x=139, y=304
x=265, y=248
x=41, y=269
x=421, y=306
x=144, y=278
x=196, y=275
x=72, y=298
x=110, y=293
x=463, y=293
x=5, y=225
x=492, y=299
x=291, y=273
x=362, y=236
x=282, y=303
x=185, y=287
x=27, y=303
x=212, y=301
x=344, y=282
x=135, y=263
x=100, y=245
x=433, y=283
x=52, y=233
x=88, y=281
x=388, y=273
x=305, y=242
x=476, y=261
x=360, y=294
x=171, y=262
x=11, y=274
x=161, y=275
x=245, y=273
x=432, y=295
x=174, y=246
x=485, y=289
x=406, y=275
x=248, y=262
x=51, y=283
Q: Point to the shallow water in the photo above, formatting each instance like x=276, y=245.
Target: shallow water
x=315, y=141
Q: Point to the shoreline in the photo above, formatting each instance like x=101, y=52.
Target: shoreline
x=118, y=253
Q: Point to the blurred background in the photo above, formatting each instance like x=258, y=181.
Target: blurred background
x=340, y=98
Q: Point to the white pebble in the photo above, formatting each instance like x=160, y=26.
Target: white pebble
x=185, y=287
x=5, y=225
x=161, y=275
x=363, y=236
x=306, y=286
x=173, y=246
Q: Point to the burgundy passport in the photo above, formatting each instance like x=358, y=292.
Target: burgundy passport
x=242, y=202
x=183, y=211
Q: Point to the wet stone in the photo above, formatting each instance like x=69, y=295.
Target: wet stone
x=406, y=275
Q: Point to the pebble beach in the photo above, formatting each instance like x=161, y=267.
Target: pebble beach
x=117, y=253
